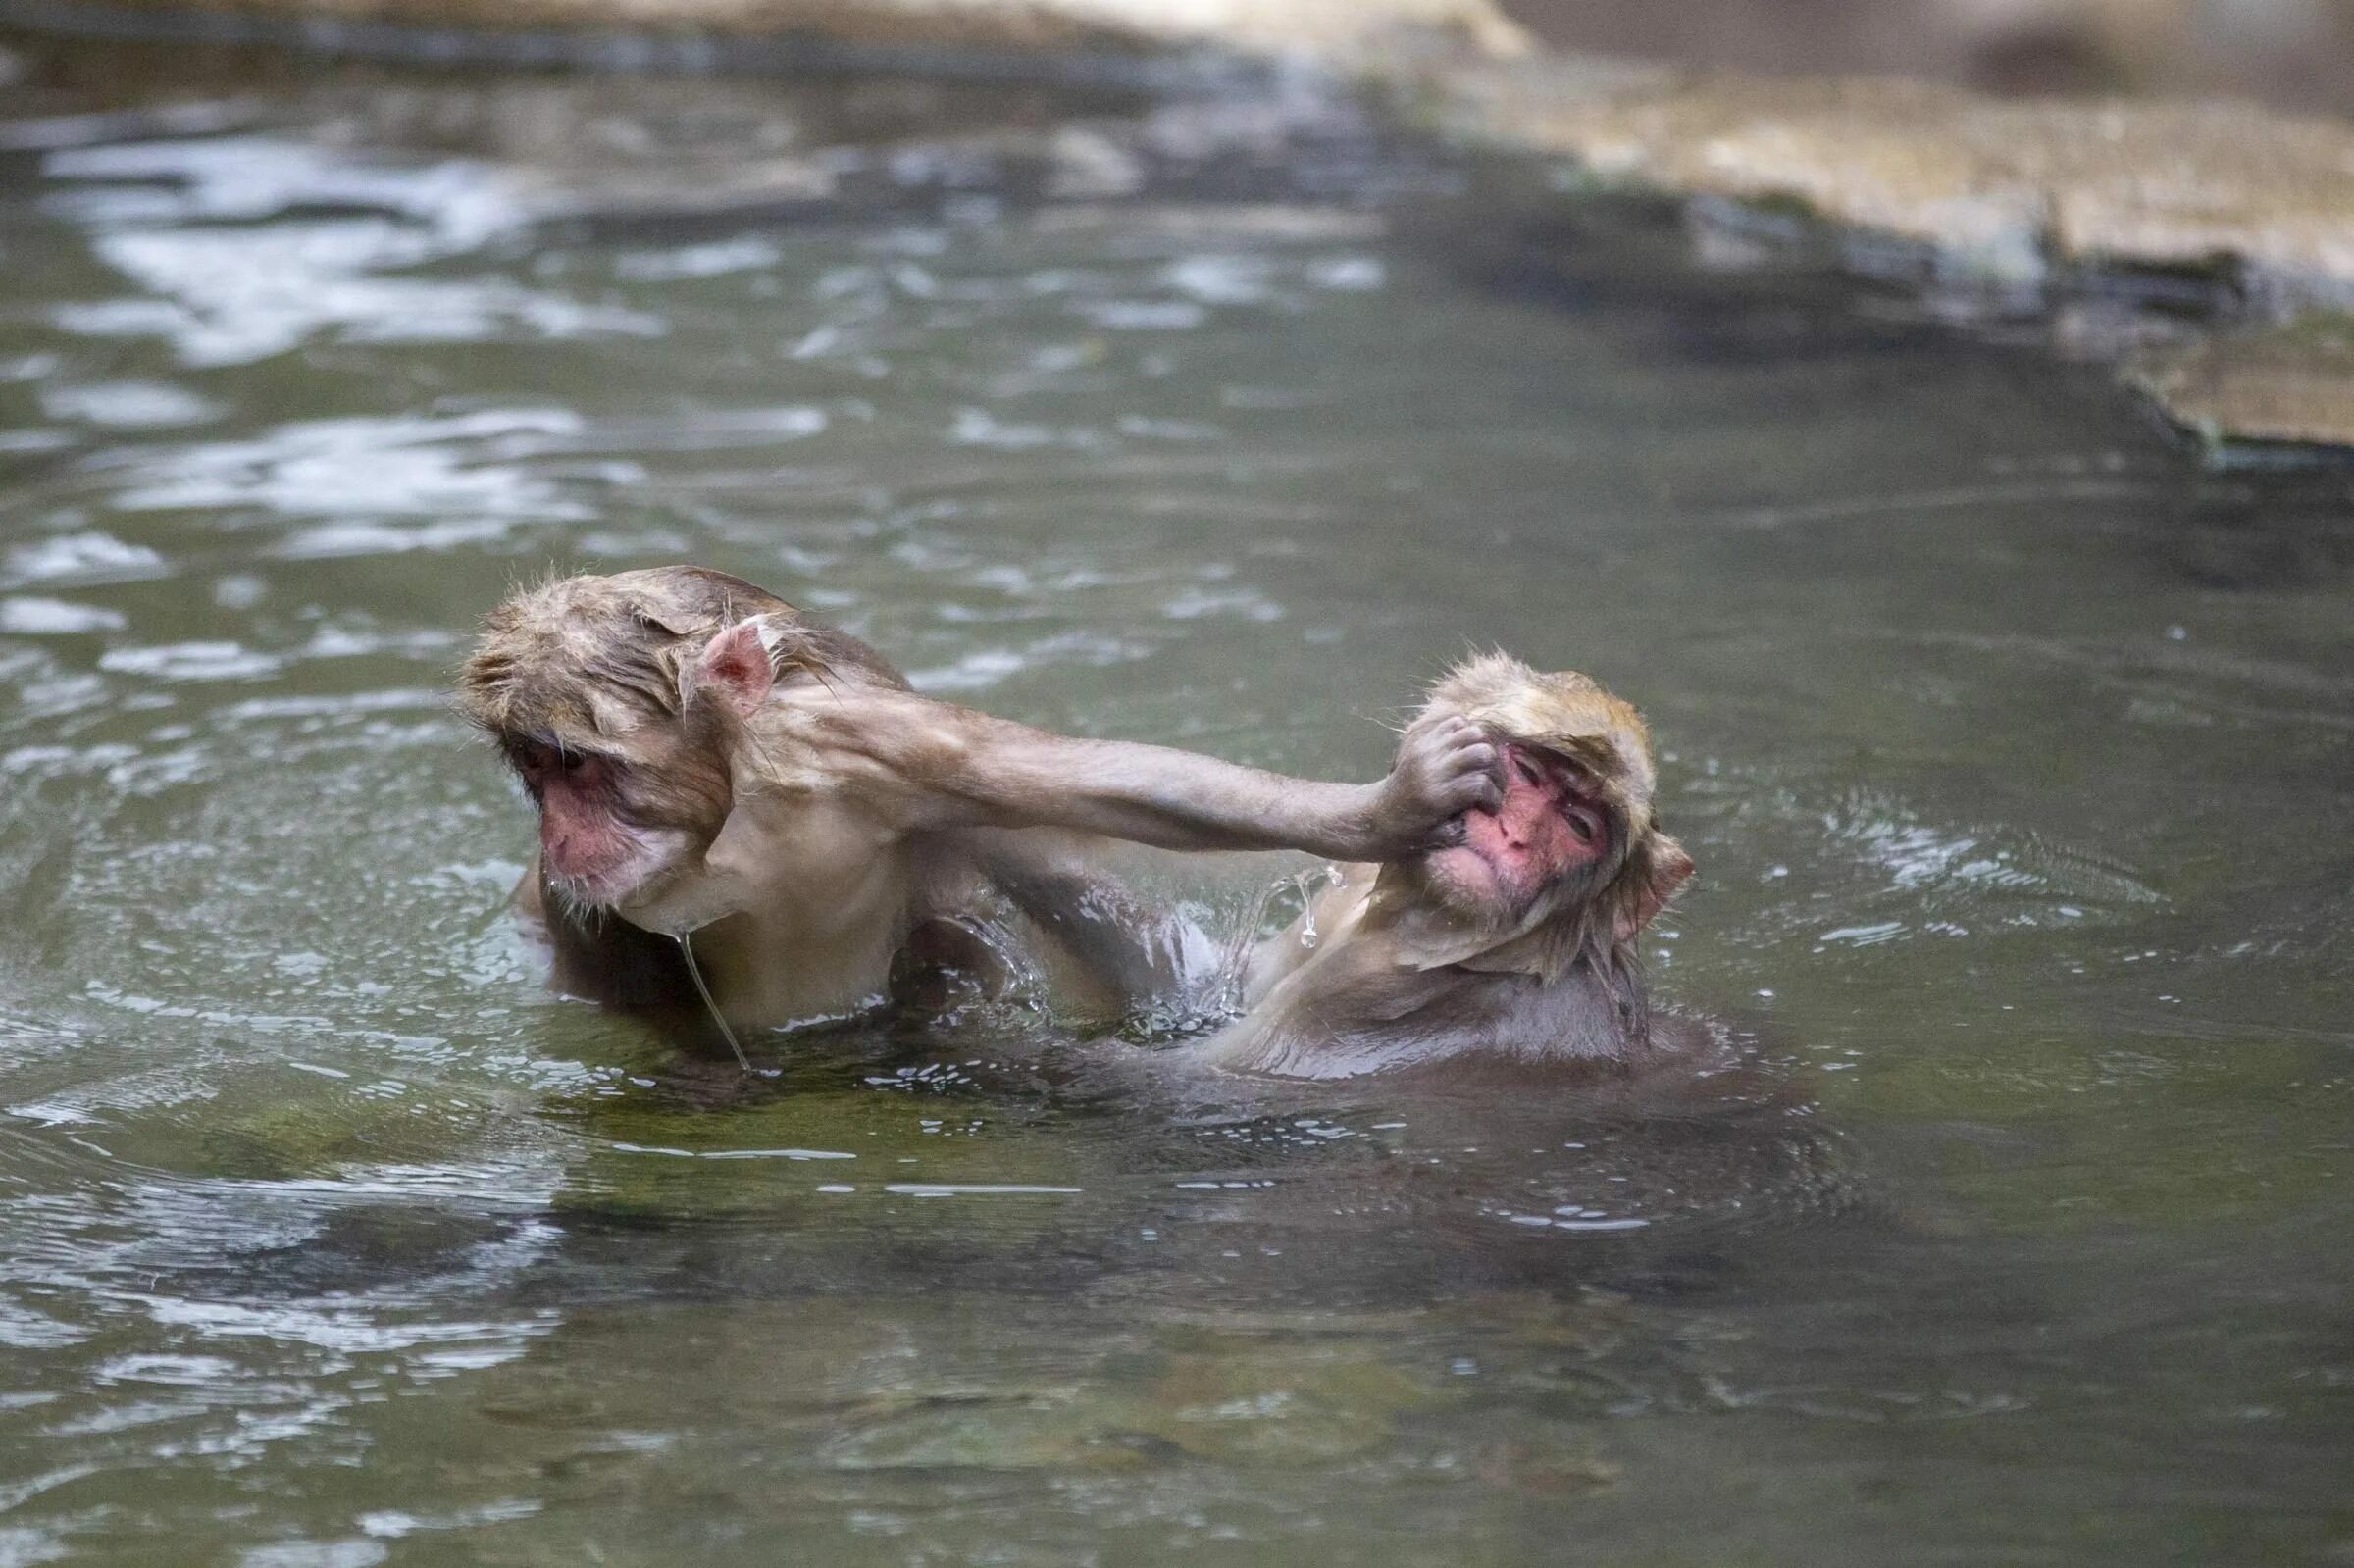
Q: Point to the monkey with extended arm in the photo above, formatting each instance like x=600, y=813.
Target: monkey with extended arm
x=705, y=759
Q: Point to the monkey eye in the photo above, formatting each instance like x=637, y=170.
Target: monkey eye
x=1582, y=824
x=1529, y=771
x=532, y=757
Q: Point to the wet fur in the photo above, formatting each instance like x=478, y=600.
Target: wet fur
x=1402, y=974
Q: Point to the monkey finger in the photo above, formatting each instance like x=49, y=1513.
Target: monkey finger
x=1438, y=733
x=1477, y=755
x=1463, y=733
x=1478, y=777
x=1451, y=746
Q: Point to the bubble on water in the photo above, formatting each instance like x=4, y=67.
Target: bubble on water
x=1221, y=280
x=447, y=470
x=1196, y=603
x=1871, y=936
x=236, y=296
x=1091, y=165
x=330, y=540
x=975, y=427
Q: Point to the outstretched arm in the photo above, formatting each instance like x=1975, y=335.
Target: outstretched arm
x=953, y=767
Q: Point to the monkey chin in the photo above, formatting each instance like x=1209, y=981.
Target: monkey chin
x=1472, y=889
x=632, y=885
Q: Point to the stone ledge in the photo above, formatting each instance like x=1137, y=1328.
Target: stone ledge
x=2291, y=384
x=2021, y=198
x=1341, y=31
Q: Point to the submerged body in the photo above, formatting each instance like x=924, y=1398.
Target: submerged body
x=1347, y=991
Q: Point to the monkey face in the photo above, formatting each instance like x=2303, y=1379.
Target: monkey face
x=1552, y=831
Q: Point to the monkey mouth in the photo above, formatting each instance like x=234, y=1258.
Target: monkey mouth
x=612, y=882
x=1472, y=880
x=595, y=891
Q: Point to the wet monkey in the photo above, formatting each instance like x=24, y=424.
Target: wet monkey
x=705, y=759
x=1513, y=943
x=1516, y=944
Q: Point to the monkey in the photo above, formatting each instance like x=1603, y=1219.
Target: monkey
x=1515, y=943
x=1510, y=944
x=705, y=759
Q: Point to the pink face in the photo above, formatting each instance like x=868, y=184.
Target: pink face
x=1551, y=823
x=590, y=849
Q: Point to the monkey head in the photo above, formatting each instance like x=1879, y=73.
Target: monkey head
x=1574, y=855
x=616, y=701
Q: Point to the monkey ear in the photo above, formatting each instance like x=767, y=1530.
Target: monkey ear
x=735, y=668
x=1657, y=877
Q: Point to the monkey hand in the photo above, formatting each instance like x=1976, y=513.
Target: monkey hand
x=1446, y=766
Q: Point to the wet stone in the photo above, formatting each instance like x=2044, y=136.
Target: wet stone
x=2291, y=384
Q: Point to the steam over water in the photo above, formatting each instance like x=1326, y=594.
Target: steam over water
x=2013, y=744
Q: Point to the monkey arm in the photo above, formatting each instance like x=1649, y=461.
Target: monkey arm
x=949, y=766
x=1138, y=953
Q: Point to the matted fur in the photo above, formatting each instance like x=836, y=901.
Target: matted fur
x=578, y=658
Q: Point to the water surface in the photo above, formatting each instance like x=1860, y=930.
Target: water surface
x=2013, y=743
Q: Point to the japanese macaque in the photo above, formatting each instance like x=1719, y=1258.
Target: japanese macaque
x=1514, y=943
x=706, y=760
x=1511, y=944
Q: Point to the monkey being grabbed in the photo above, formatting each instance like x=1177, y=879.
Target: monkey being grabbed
x=705, y=759
x=1513, y=944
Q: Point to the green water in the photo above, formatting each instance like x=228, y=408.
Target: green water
x=2014, y=747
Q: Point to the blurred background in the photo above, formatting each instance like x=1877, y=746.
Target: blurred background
x=2298, y=54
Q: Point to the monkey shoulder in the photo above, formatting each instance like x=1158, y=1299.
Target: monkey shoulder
x=878, y=746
